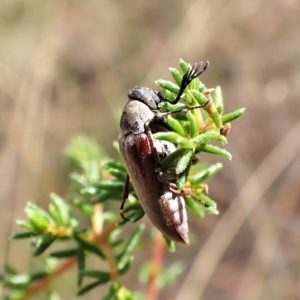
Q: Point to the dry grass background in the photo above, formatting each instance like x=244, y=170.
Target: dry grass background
x=65, y=68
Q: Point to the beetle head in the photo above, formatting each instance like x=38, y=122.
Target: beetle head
x=145, y=95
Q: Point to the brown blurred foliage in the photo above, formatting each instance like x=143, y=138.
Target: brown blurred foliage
x=65, y=68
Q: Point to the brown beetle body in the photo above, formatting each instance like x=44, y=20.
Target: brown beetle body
x=156, y=190
x=165, y=208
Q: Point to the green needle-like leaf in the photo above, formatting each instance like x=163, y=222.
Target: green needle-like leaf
x=124, y=265
x=176, y=126
x=19, y=281
x=182, y=178
x=84, y=149
x=170, y=245
x=217, y=97
x=208, y=136
x=62, y=210
x=82, y=205
x=43, y=243
x=174, y=138
x=215, y=150
x=211, y=206
x=137, y=215
x=201, y=99
x=105, y=195
x=96, y=274
x=80, y=263
x=233, y=115
x=91, y=286
x=168, y=85
x=177, y=76
x=203, y=175
x=171, y=107
x=130, y=207
x=22, y=235
x=112, y=292
x=184, y=160
x=38, y=217
x=26, y=225
x=110, y=185
x=90, y=247
x=118, y=174
x=195, y=206
x=64, y=253
x=183, y=65
x=39, y=275
x=171, y=158
x=194, y=124
x=132, y=242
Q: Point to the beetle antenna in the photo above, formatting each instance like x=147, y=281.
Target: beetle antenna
x=193, y=72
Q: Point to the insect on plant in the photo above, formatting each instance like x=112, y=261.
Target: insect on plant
x=155, y=187
x=159, y=139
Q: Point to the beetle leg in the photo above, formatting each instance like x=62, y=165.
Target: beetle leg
x=125, y=196
x=167, y=176
x=186, y=192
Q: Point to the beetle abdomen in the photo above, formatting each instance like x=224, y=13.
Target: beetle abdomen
x=177, y=216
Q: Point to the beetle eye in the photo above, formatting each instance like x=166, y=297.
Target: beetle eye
x=135, y=93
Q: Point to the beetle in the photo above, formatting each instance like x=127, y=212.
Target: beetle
x=142, y=154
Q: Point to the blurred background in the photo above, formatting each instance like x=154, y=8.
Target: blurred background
x=65, y=68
